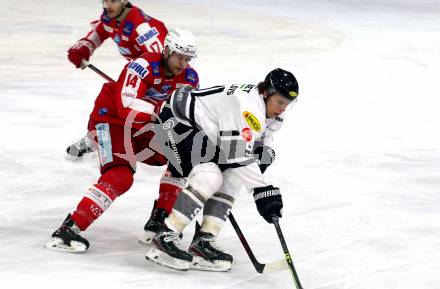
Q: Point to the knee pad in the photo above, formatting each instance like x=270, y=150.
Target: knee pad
x=117, y=178
x=205, y=178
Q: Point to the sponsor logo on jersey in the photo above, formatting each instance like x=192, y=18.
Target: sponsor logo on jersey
x=246, y=134
x=138, y=68
x=128, y=94
x=191, y=76
x=128, y=28
x=105, y=144
x=153, y=93
x=157, y=80
x=156, y=68
x=166, y=88
x=117, y=39
x=147, y=36
x=252, y=120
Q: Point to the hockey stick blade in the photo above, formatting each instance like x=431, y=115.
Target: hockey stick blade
x=261, y=268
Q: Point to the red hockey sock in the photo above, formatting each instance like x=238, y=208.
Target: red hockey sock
x=98, y=198
x=169, y=190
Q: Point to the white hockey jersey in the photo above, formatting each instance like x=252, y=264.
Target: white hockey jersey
x=234, y=116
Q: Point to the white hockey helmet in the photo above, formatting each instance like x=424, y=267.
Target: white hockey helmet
x=181, y=41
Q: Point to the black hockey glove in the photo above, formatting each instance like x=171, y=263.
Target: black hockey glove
x=269, y=202
x=265, y=156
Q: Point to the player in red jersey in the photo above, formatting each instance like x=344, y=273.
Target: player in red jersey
x=121, y=109
x=134, y=33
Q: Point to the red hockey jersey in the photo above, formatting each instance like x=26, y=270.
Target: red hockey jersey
x=136, y=34
x=143, y=87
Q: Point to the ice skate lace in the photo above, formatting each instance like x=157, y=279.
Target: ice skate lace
x=173, y=237
x=211, y=241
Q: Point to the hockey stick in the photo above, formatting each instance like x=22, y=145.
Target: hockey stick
x=286, y=252
x=85, y=63
x=261, y=268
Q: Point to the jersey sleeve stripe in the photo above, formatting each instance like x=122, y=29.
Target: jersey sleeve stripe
x=207, y=91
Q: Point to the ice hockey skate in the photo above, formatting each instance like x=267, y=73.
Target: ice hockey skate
x=79, y=148
x=207, y=256
x=153, y=225
x=166, y=251
x=67, y=238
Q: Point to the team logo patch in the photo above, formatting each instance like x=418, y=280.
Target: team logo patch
x=252, y=121
x=147, y=36
x=157, y=80
x=156, y=68
x=128, y=28
x=246, y=134
x=191, y=76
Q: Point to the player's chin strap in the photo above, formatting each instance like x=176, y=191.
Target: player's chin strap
x=270, y=267
x=85, y=63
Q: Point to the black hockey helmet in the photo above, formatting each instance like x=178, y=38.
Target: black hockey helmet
x=282, y=82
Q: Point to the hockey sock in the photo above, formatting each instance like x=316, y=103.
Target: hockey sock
x=215, y=213
x=169, y=190
x=98, y=198
x=187, y=206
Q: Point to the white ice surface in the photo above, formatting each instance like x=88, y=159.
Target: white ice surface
x=358, y=160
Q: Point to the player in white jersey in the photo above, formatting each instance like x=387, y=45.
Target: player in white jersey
x=208, y=137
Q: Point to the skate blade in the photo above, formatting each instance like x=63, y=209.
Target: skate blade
x=57, y=244
x=161, y=258
x=146, y=238
x=199, y=263
x=71, y=158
